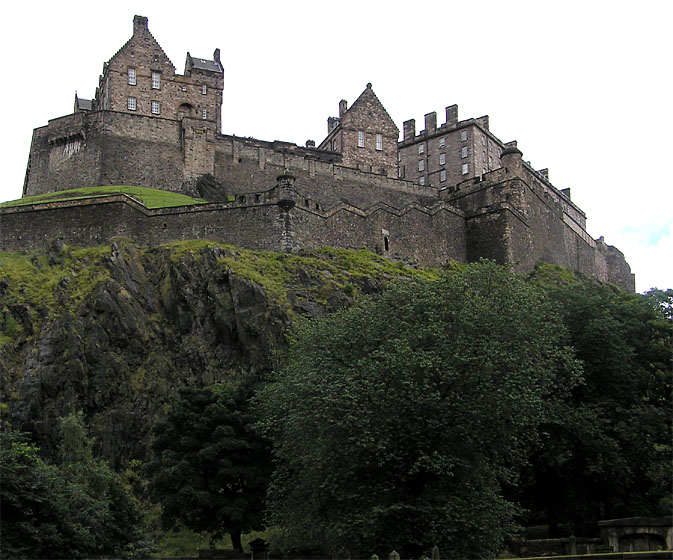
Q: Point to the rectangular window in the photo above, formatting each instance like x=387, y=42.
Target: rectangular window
x=463, y=135
x=465, y=168
x=379, y=142
x=361, y=139
x=442, y=175
x=400, y=172
x=421, y=165
x=204, y=89
x=421, y=181
x=421, y=149
x=132, y=76
x=483, y=156
x=155, y=107
x=131, y=103
x=463, y=152
x=156, y=80
x=204, y=114
x=442, y=142
x=483, y=140
x=442, y=159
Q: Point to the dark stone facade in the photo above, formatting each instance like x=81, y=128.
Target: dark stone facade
x=471, y=197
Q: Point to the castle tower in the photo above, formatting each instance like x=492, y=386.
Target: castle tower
x=445, y=155
x=140, y=79
x=365, y=135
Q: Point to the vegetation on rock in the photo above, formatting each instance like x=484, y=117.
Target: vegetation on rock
x=413, y=407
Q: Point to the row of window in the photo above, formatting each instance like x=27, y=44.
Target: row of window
x=442, y=142
x=156, y=81
x=361, y=140
x=155, y=107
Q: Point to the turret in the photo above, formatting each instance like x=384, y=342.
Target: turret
x=286, y=200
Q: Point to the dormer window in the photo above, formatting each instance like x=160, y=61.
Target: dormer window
x=156, y=80
x=132, y=77
x=204, y=89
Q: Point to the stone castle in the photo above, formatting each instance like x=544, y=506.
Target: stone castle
x=452, y=191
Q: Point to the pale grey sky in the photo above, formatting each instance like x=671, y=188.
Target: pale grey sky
x=583, y=86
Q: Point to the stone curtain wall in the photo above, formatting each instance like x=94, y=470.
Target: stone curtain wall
x=429, y=237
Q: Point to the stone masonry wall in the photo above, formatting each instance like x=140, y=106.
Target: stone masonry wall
x=454, y=143
x=176, y=95
x=255, y=221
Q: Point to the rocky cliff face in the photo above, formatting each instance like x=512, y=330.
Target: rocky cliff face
x=114, y=331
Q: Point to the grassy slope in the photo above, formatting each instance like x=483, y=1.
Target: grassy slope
x=151, y=198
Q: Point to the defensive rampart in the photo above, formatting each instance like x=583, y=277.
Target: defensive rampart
x=263, y=220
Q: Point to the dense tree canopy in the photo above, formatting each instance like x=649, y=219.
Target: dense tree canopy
x=607, y=453
x=396, y=424
x=210, y=469
x=75, y=510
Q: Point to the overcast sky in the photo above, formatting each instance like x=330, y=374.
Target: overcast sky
x=583, y=86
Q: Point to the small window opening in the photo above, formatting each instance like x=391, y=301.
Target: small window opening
x=386, y=244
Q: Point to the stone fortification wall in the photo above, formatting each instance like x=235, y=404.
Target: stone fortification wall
x=511, y=215
x=65, y=154
x=428, y=236
x=515, y=216
x=139, y=150
x=245, y=165
x=105, y=148
x=97, y=221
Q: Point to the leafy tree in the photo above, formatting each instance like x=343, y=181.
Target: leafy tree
x=607, y=453
x=210, y=469
x=74, y=510
x=396, y=424
x=99, y=500
x=35, y=512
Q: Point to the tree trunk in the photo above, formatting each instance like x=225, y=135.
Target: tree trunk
x=236, y=540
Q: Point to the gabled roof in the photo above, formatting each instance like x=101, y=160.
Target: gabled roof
x=140, y=28
x=369, y=95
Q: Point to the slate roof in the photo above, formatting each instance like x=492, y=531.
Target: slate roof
x=84, y=104
x=203, y=64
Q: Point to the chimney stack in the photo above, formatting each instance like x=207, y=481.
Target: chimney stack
x=139, y=23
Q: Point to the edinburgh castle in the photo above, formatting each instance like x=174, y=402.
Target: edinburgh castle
x=451, y=191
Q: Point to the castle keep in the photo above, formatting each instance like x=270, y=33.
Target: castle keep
x=452, y=191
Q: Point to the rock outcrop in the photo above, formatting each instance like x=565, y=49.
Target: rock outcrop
x=114, y=331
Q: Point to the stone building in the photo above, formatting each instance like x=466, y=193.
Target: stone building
x=450, y=192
